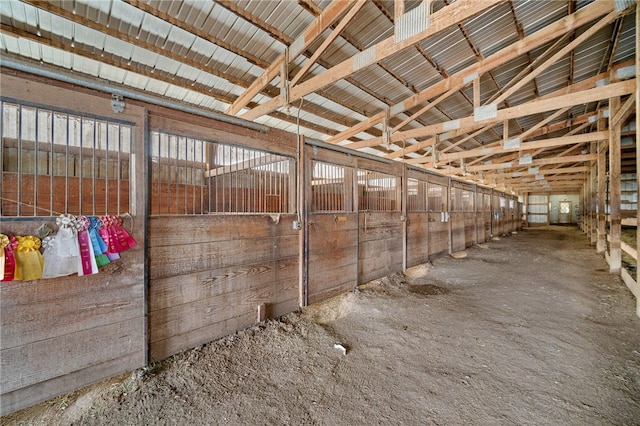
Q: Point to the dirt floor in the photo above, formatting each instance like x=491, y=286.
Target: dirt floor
x=531, y=330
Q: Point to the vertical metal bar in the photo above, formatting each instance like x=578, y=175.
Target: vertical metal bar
x=119, y=169
x=50, y=165
x=80, y=174
x=98, y=125
x=210, y=164
x=205, y=184
x=170, y=177
x=186, y=181
x=36, y=147
x=193, y=160
x=19, y=156
x=94, y=169
x=66, y=167
x=2, y=136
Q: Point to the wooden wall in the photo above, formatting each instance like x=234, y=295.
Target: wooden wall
x=469, y=229
x=439, y=235
x=193, y=278
x=379, y=245
x=333, y=254
x=209, y=273
x=58, y=335
x=417, y=238
x=457, y=231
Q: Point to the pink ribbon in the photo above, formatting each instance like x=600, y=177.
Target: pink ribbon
x=86, y=257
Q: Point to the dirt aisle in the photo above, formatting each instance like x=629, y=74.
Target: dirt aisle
x=532, y=330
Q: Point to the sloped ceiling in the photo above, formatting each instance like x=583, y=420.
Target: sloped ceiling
x=469, y=87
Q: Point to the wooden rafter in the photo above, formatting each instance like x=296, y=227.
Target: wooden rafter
x=529, y=108
x=308, y=36
x=555, y=57
x=327, y=42
x=527, y=44
x=440, y=21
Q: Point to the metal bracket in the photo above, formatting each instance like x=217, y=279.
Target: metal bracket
x=117, y=103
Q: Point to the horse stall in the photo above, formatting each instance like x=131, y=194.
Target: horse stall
x=65, y=332
x=222, y=250
x=228, y=223
x=331, y=228
x=417, y=217
x=438, y=204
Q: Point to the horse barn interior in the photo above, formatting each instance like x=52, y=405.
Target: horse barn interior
x=266, y=156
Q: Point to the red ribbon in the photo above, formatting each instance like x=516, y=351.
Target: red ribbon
x=9, y=258
x=85, y=251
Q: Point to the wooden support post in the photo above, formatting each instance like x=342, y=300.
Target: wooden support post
x=637, y=145
x=403, y=203
x=593, y=196
x=476, y=92
x=615, y=252
x=303, y=189
x=601, y=243
x=526, y=209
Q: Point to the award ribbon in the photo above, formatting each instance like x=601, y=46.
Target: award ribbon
x=62, y=257
x=126, y=241
x=105, y=233
x=87, y=262
x=99, y=247
x=7, y=246
x=29, y=261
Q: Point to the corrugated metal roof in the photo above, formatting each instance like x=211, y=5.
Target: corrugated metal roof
x=166, y=48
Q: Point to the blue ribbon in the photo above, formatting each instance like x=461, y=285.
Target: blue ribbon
x=99, y=246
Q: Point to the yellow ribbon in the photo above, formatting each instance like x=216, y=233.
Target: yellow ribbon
x=4, y=242
x=29, y=261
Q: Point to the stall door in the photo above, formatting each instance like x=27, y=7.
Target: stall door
x=564, y=212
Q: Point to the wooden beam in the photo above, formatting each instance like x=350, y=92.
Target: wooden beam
x=625, y=111
x=529, y=108
x=299, y=45
x=537, y=162
x=545, y=143
x=425, y=109
x=529, y=67
x=360, y=127
x=637, y=95
x=615, y=191
x=412, y=148
x=327, y=42
x=610, y=17
x=248, y=164
x=525, y=45
x=442, y=20
x=580, y=169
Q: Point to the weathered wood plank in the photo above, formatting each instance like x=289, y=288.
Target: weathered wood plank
x=173, y=121
x=177, y=290
x=326, y=276
x=186, y=259
x=469, y=229
x=417, y=238
x=373, y=267
x=40, y=361
x=76, y=303
x=331, y=292
x=66, y=195
x=438, y=235
x=212, y=228
x=162, y=349
x=42, y=391
x=179, y=319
